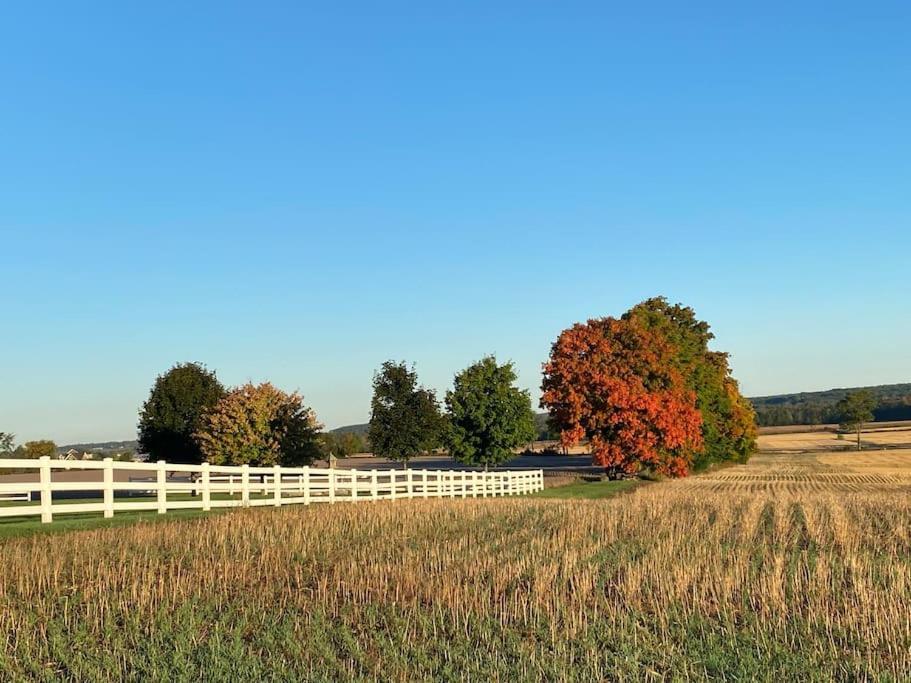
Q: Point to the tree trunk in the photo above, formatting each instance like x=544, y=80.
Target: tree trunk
x=858, y=438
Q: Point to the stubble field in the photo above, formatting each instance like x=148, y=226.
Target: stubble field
x=872, y=438
x=793, y=566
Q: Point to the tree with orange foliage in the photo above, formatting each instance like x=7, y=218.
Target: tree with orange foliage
x=615, y=383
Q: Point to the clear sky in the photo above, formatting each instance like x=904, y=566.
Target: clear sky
x=296, y=192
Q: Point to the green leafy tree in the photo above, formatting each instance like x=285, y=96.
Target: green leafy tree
x=728, y=420
x=171, y=415
x=488, y=415
x=405, y=419
x=855, y=410
x=37, y=449
x=260, y=425
x=6, y=444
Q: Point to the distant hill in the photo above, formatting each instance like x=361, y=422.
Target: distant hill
x=101, y=447
x=818, y=407
x=359, y=429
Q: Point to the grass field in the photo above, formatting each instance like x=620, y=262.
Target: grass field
x=790, y=567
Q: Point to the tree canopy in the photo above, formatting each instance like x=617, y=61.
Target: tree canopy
x=170, y=416
x=612, y=381
x=36, y=449
x=728, y=421
x=855, y=410
x=6, y=444
x=259, y=425
x=648, y=392
x=405, y=418
x=488, y=415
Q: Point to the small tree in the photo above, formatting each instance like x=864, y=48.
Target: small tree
x=170, y=416
x=6, y=444
x=856, y=409
x=259, y=425
x=37, y=449
x=405, y=419
x=488, y=416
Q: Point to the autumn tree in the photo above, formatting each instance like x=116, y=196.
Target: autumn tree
x=728, y=420
x=405, y=418
x=171, y=415
x=855, y=410
x=488, y=416
x=259, y=425
x=615, y=382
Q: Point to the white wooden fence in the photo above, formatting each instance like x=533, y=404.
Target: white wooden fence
x=245, y=486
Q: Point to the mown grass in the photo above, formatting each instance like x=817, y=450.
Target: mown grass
x=13, y=527
x=672, y=581
x=16, y=527
x=590, y=490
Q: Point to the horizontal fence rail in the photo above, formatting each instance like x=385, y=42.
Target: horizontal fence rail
x=205, y=486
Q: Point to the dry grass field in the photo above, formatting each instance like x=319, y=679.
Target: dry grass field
x=793, y=567
x=890, y=437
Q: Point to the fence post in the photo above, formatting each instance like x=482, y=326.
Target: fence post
x=331, y=481
x=305, y=478
x=464, y=484
x=409, y=484
x=424, y=491
x=277, y=495
x=452, y=483
x=108, y=487
x=245, y=485
x=374, y=488
x=162, y=488
x=353, y=484
x=392, y=484
x=44, y=474
x=206, y=490
x=231, y=485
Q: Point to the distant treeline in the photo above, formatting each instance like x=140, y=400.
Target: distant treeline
x=543, y=429
x=893, y=402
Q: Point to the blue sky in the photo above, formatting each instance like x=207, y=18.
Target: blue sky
x=296, y=192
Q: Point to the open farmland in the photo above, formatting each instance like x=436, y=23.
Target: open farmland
x=788, y=567
x=874, y=436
